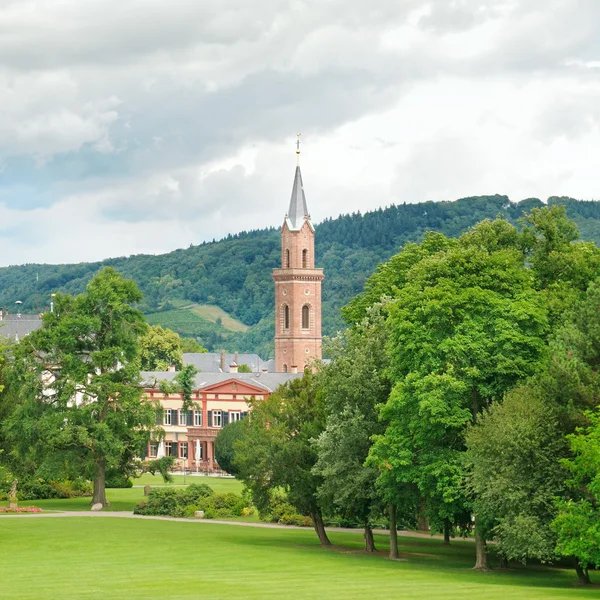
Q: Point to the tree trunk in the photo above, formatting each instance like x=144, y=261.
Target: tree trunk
x=99, y=496
x=481, y=562
x=317, y=518
x=446, y=532
x=393, y=534
x=369, y=541
x=422, y=523
x=582, y=574
x=503, y=562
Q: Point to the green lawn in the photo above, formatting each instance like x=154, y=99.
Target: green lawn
x=126, y=558
x=127, y=498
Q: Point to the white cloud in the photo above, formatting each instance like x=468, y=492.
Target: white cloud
x=130, y=126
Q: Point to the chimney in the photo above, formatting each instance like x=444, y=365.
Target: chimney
x=265, y=370
x=233, y=368
x=222, y=361
x=294, y=369
x=171, y=369
x=236, y=358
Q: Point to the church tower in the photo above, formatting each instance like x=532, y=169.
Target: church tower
x=297, y=287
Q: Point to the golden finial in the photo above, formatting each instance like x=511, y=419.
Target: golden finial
x=298, y=149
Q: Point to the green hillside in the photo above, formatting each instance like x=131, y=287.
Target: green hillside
x=214, y=290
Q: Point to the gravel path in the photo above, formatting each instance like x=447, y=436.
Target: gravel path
x=130, y=515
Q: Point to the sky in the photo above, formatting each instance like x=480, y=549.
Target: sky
x=141, y=126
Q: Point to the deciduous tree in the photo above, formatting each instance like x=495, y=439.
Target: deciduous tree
x=160, y=349
x=75, y=384
x=465, y=327
x=353, y=385
x=277, y=449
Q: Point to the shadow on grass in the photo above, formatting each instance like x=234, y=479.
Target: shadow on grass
x=420, y=554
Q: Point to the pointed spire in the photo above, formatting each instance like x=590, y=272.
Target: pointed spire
x=298, y=210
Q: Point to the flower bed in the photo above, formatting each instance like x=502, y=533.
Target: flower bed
x=23, y=509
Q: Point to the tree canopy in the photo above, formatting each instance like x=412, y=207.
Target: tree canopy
x=75, y=384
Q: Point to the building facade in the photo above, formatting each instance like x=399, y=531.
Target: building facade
x=219, y=399
x=297, y=289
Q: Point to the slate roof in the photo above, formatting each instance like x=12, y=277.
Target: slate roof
x=266, y=381
x=16, y=327
x=210, y=362
x=298, y=211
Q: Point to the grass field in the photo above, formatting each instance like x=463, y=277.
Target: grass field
x=197, y=320
x=125, y=499
x=212, y=313
x=185, y=322
x=126, y=558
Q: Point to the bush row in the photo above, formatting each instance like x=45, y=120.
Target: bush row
x=281, y=511
x=41, y=489
x=184, y=502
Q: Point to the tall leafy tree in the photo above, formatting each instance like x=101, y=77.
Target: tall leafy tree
x=577, y=523
x=353, y=384
x=465, y=328
x=277, y=449
x=75, y=384
x=225, y=446
x=160, y=349
x=522, y=450
x=191, y=345
x=514, y=452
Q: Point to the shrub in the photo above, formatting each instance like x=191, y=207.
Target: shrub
x=278, y=507
x=161, y=501
x=185, y=502
x=195, y=492
x=39, y=489
x=116, y=479
x=298, y=520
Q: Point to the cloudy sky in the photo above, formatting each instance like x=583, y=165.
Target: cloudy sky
x=131, y=126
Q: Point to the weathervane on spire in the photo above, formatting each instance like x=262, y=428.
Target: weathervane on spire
x=298, y=149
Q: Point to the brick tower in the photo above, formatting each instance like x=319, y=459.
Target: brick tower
x=297, y=288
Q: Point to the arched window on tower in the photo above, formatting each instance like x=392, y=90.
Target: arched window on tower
x=285, y=369
x=305, y=317
x=286, y=317
x=287, y=258
x=304, y=258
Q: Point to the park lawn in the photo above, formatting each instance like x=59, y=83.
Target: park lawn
x=105, y=557
x=126, y=498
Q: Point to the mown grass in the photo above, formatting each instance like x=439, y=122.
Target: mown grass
x=126, y=558
x=125, y=499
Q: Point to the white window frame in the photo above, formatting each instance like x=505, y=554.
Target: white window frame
x=197, y=418
x=219, y=414
x=168, y=417
x=235, y=415
x=183, y=445
x=151, y=446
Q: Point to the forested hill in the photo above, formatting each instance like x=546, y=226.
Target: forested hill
x=235, y=273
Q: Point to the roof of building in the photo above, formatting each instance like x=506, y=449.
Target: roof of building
x=210, y=362
x=16, y=327
x=298, y=211
x=266, y=381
